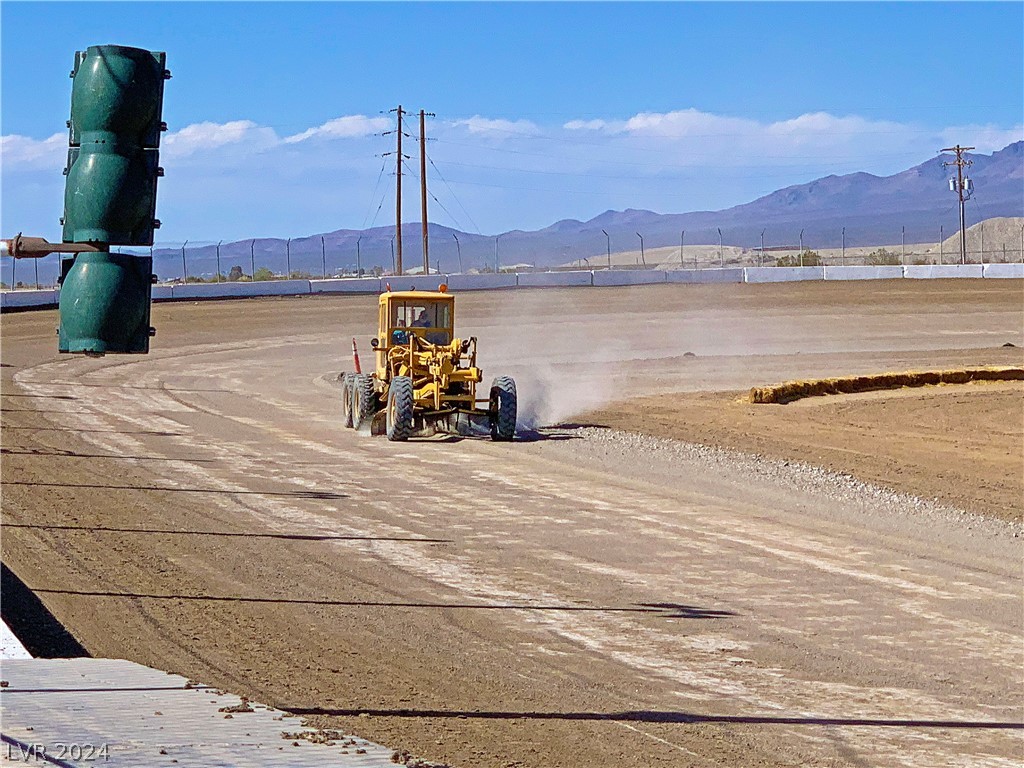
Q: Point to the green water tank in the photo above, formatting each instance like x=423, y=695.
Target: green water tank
x=104, y=303
x=113, y=155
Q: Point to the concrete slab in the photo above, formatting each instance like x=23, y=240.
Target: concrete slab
x=882, y=272
x=942, y=271
x=628, y=277
x=232, y=290
x=1003, y=270
x=480, y=282
x=782, y=274
x=10, y=645
x=19, y=299
x=85, y=712
x=554, y=279
x=705, y=276
x=346, y=285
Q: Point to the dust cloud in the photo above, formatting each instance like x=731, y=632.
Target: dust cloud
x=577, y=350
x=564, y=363
x=548, y=397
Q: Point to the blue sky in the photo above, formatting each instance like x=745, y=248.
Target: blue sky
x=544, y=110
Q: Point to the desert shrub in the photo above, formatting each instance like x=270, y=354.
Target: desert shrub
x=263, y=274
x=810, y=259
x=882, y=258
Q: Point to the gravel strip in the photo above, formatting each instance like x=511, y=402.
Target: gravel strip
x=867, y=499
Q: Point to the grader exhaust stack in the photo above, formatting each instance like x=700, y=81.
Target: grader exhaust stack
x=425, y=379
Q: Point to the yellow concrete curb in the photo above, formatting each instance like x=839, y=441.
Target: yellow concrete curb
x=794, y=390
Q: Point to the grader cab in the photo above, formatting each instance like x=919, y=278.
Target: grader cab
x=426, y=378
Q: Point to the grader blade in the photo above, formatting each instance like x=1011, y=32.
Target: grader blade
x=378, y=424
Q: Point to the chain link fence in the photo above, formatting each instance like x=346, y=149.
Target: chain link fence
x=316, y=258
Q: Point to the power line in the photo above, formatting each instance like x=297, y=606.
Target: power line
x=456, y=197
x=450, y=216
x=373, y=195
x=379, y=207
x=410, y=171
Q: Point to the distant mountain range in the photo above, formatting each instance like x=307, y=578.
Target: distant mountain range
x=871, y=208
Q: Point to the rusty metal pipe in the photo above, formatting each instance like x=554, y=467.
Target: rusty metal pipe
x=21, y=247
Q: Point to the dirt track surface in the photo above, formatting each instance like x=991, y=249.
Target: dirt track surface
x=580, y=597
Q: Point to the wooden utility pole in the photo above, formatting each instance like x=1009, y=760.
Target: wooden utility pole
x=398, y=195
x=423, y=190
x=960, y=164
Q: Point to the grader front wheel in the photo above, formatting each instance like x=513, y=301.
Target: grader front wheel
x=400, y=409
x=503, y=409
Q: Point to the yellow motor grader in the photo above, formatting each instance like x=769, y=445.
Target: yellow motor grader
x=425, y=379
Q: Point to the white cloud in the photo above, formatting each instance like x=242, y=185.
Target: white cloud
x=25, y=153
x=595, y=125
x=348, y=127
x=201, y=137
x=484, y=125
x=984, y=138
x=687, y=124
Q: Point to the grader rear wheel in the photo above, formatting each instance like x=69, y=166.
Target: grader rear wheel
x=400, y=421
x=503, y=409
x=346, y=399
x=363, y=399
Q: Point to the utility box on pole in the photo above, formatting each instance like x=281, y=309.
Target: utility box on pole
x=110, y=198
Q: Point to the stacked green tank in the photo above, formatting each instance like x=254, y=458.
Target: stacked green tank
x=110, y=198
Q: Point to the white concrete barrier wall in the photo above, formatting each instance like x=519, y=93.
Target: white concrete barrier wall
x=18, y=299
x=609, y=277
x=346, y=285
x=621, y=277
x=232, y=290
x=1003, y=270
x=478, y=282
x=887, y=272
x=782, y=274
x=555, y=279
x=939, y=271
x=704, y=276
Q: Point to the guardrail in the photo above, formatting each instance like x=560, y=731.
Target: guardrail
x=27, y=299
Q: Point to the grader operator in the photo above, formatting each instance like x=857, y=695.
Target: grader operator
x=425, y=379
